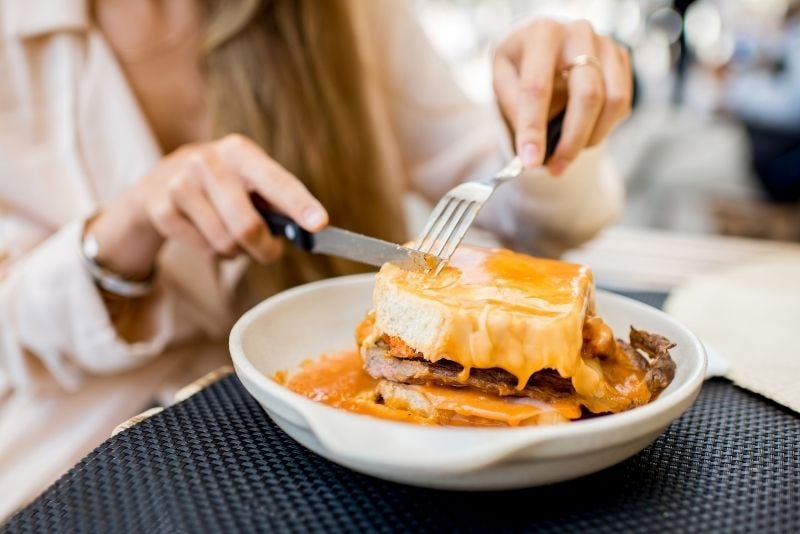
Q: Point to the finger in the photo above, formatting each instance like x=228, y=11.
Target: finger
x=187, y=194
x=537, y=67
x=506, y=88
x=229, y=197
x=277, y=185
x=585, y=100
x=618, y=81
x=171, y=223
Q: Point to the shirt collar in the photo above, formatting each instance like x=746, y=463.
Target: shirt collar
x=33, y=18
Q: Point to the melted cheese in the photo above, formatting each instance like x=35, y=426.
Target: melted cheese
x=497, y=308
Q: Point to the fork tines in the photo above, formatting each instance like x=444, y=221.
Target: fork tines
x=450, y=220
x=454, y=213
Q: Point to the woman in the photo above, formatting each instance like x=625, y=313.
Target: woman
x=133, y=132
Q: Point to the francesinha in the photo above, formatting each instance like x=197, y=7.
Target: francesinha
x=501, y=338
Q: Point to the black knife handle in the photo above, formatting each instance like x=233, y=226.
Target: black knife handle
x=553, y=135
x=282, y=226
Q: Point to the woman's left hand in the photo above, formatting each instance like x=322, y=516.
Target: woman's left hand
x=531, y=88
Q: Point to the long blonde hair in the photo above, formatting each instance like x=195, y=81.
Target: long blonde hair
x=290, y=74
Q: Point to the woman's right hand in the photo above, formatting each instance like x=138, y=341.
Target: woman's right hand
x=200, y=194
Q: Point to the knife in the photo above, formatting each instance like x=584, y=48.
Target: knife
x=343, y=243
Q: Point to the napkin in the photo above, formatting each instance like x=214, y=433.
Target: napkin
x=749, y=316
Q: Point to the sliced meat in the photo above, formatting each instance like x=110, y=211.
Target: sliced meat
x=661, y=368
x=634, y=357
x=544, y=384
x=392, y=360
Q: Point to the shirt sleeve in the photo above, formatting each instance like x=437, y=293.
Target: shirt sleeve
x=445, y=138
x=52, y=314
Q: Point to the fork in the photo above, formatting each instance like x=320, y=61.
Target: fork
x=454, y=213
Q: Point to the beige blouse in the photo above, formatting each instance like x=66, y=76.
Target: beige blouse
x=73, y=136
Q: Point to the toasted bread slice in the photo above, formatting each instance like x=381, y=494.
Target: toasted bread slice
x=490, y=309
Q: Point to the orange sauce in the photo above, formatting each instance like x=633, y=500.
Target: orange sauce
x=340, y=381
x=623, y=384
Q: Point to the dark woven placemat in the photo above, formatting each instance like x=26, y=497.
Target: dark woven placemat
x=217, y=463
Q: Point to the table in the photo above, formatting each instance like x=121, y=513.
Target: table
x=217, y=463
x=646, y=259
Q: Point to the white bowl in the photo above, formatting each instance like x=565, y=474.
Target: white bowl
x=321, y=317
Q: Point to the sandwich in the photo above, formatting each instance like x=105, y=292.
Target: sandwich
x=500, y=338
x=496, y=339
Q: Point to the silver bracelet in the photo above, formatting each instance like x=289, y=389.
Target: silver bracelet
x=108, y=280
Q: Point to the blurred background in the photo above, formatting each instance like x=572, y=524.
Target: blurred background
x=713, y=145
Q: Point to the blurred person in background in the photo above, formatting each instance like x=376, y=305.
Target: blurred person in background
x=133, y=132
x=765, y=97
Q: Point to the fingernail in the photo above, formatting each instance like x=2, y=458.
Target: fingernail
x=314, y=217
x=529, y=155
x=558, y=167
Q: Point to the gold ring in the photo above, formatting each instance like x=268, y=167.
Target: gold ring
x=582, y=61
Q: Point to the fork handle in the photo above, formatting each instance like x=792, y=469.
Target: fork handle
x=515, y=167
x=553, y=135
x=282, y=226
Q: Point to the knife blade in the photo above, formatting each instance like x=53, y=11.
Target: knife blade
x=345, y=244
x=364, y=249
